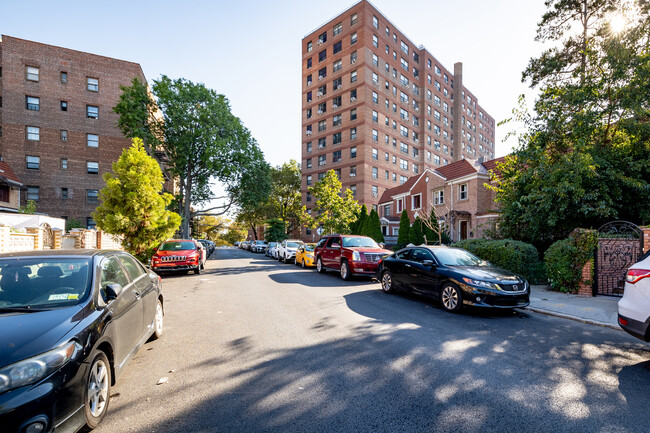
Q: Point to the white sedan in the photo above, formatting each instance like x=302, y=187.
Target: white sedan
x=634, y=307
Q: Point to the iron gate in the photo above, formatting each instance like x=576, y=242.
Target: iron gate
x=620, y=244
x=48, y=236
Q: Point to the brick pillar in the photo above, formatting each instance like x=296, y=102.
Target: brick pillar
x=38, y=239
x=58, y=239
x=99, y=239
x=5, y=231
x=646, y=238
x=78, y=238
x=586, y=283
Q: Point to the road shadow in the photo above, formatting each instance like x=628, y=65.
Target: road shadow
x=311, y=278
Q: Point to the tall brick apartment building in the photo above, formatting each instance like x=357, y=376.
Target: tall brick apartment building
x=58, y=131
x=378, y=109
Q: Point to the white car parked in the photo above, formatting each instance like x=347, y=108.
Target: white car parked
x=634, y=307
x=273, y=251
x=287, y=250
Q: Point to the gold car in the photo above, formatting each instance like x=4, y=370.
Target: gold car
x=305, y=255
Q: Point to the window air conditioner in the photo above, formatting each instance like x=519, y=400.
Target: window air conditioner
x=374, y=194
x=335, y=106
x=354, y=60
x=353, y=99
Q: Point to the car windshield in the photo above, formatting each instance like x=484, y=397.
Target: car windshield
x=310, y=247
x=293, y=244
x=360, y=242
x=272, y=244
x=177, y=246
x=457, y=257
x=43, y=282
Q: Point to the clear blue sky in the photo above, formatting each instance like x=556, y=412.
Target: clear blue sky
x=251, y=50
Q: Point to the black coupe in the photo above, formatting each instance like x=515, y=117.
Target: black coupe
x=69, y=322
x=454, y=276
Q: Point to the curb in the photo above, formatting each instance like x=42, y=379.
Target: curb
x=575, y=318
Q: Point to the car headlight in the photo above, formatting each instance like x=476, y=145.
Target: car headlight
x=356, y=256
x=479, y=283
x=34, y=369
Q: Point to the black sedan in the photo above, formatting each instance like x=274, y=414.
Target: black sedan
x=454, y=276
x=69, y=322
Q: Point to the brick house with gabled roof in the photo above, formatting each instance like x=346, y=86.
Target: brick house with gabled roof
x=10, y=186
x=456, y=191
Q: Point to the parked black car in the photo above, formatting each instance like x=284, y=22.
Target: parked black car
x=454, y=276
x=69, y=322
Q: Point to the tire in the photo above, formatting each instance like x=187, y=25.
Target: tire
x=387, y=285
x=158, y=321
x=203, y=265
x=97, y=391
x=319, y=266
x=345, y=270
x=197, y=270
x=284, y=259
x=450, y=298
x=303, y=263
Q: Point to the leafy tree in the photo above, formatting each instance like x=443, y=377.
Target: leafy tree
x=416, y=237
x=404, y=234
x=203, y=142
x=29, y=208
x=372, y=227
x=72, y=223
x=235, y=232
x=334, y=210
x=253, y=216
x=285, y=200
x=132, y=205
x=210, y=227
x=356, y=227
x=275, y=231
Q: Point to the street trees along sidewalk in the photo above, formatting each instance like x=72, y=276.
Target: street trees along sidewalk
x=203, y=142
x=333, y=210
x=132, y=205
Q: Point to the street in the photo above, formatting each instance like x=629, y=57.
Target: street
x=255, y=345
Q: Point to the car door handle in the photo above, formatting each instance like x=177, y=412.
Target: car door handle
x=407, y=265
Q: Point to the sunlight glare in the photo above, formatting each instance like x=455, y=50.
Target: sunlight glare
x=617, y=23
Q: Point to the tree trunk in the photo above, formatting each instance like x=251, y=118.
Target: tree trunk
x=185, y=227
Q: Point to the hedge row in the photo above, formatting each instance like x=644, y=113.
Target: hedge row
x=515, y=256
x=565, y=259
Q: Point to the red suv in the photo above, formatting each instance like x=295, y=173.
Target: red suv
x=179, y=255
x=348, y=254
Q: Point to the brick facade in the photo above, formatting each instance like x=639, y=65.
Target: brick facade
x=62, y=170
x=411, y=112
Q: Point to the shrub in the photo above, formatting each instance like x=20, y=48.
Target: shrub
x=565, y=259
x=515, y=256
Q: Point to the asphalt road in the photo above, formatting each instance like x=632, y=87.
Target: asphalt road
x=255, y=345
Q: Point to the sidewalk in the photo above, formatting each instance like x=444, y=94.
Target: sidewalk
x=598, y=310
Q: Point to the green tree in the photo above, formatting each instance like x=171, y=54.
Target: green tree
x=285, y=200
x=235, y=232
x=372, y=227
x=404, y=234
x=334, y=210
x=132, y=205
x=416, y=236
x=29, y=208
x=275, y=230
x=203, y=141
x=356, y=228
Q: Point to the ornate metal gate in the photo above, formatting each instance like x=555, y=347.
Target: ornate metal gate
x=620, y=244
x=48, y=236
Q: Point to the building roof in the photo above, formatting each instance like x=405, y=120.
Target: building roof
x=457, y=169
x=389, y=193
x=6, y=173
x=492, y=165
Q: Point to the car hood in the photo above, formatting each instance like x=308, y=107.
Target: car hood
x=23, y=335
x=488, y=273
x=370, y=250
x=173, y=253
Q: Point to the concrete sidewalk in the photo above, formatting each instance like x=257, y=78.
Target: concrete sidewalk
x=598, y=310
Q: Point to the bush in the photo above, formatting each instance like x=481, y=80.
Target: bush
x=514, y=256
x=565, y=259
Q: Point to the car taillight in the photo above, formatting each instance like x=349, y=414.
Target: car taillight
x=634, y=275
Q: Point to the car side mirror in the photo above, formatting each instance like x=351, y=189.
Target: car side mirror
x=113, y=291
x=428, y=263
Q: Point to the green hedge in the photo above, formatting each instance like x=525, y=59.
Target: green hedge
x=515, y=256
x=565, y=259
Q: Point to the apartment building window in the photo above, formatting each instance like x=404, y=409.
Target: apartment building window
x=439, y=197
x=92, y=112
x=386, y=156
x=337, y=83
x=322, y=73
x=92, y=84
x=353, y=76
x=353, y=171
x=403, y=97
x=92, y=167
x=375, y=116
x=402, y=180
x=337, y=29
x=375, y=191
x=64, y=77
x=336, y=120
x=64, y=193
x=64, y=105
x=375, y=172
x=337, y=47
x=394, y=177
x=308, y=162
x=403, y=164
x=445, y=149
x=375, y=78
x=309, y=113
x=322, y=143
x=416, y=168
x=92, y=196
x=309, y=63
x=405, y=47
x=353, y=188
x=336, y=138
x=386, y=137
x=429, y=125
x=375, y=154
x=353, y=38
x=387, y=52
x=436, y=159
x=322, y=38
x=387, y=174
x=404, y=147
x=375, y=135
x=353, y=19
x=32, y=73
x=404, y=130
x=416, y=201
x=375, y=22
x=32, y=103
x=308, y=146
x=90, y=223
x=405, y=66
x=92, y=140
x=375, y=60
x=436, y=129
x=64, y=163
x=353, y=57
x=375, y=41
x=309, y=179
x=337, y=66
x=336, y=156
x=322, y=125
x=462, y=191
x=353, y=133
x=33, y=133
x=375, y=97
x=322, y=108
x=310, y=46
x=33, y=162
x=437, y=70
x=64, y=135
x=309, y=97
x=353, y=152
x=353, y=114
x=322, y=160
x=33, y=193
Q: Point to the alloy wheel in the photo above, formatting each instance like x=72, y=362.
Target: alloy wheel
x=450, y=298
x=387, y=282
x=98, y=388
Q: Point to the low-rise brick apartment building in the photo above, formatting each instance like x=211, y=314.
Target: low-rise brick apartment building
x=378, y=109
x=456, y=193
x=58, y=131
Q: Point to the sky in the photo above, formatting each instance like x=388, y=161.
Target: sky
x=251, y=51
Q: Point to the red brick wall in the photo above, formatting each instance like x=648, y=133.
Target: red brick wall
x=586, y=284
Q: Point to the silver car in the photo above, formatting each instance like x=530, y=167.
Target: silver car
x=287, y=250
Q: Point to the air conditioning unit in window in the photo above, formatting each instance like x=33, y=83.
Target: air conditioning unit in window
x=309, y=83
x=319, y=94
x=354, y=60
x=320, y=42
x=335, y=106
x=353, y=175
x=353, y=99
x=374, y=194
x=320, y=111
x=308, y=132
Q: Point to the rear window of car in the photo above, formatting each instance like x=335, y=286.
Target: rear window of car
x=177, y=246
x=292, y=244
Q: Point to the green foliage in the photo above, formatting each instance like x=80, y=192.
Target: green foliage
x=132, y=205
x=404, y=233
x=285, y=200
x=275, y=231
x=235, y=232
x=515, y=256
x=72, y=223
x=334, y=211
x=565, y=259
x=356, y=227
x=372, y=227
x=416, y=236
x=29, y=208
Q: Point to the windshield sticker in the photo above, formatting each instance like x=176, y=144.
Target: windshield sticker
x=63, y=297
